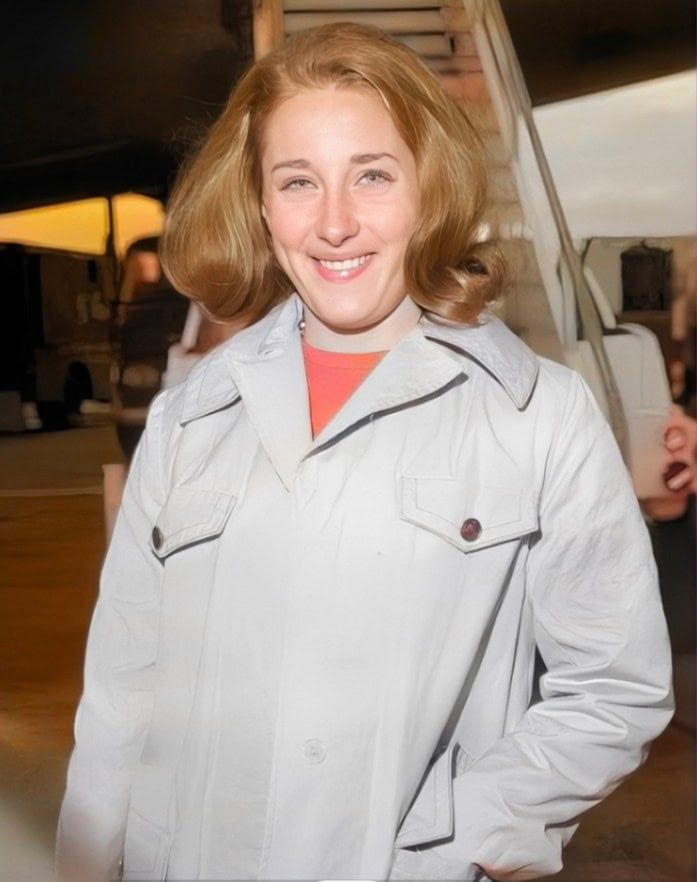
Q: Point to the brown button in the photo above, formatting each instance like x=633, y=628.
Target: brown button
x=157, y=538
x=470, y=530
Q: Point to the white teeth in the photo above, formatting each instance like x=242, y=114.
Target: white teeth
x=339, y=265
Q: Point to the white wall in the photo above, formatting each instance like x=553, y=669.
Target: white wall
x=624, y=160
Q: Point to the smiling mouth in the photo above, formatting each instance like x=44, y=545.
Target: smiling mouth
x=338, y=265
x=341, y=270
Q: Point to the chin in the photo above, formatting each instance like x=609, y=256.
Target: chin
x=348, y=320
x=340, y=314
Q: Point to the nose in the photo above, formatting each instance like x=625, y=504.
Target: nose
x=336, y=218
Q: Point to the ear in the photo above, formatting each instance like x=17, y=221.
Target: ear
x=264, y=213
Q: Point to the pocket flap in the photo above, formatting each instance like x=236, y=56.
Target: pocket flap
x=190, y=514
x=430, y=816
x=443, y=505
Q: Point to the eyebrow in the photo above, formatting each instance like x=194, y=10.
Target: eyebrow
x=357, y=159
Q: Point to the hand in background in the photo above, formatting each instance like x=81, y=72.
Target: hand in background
x=680, y=477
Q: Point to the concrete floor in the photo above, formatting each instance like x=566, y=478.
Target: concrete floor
x=51, y=544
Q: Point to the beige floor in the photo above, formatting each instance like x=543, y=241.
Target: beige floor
x=51, y=546
x=56, y=462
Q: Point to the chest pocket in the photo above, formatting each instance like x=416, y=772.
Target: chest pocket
x=189, y=516
x=470, y=517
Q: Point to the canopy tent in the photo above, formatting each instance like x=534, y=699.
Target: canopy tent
x=83, y=226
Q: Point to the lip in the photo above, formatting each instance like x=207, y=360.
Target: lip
x=341, y=276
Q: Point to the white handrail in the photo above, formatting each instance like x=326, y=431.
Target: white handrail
x=492, y=34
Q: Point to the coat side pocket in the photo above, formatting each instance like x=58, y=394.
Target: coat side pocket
x=419, y=866
x=430, y=816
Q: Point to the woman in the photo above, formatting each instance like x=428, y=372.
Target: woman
x=344, y=535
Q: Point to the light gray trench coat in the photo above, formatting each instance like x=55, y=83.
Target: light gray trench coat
x=467, y=504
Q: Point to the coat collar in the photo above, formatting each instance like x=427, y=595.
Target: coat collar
x=211, y=386
x=263, y=365
x=492, y=345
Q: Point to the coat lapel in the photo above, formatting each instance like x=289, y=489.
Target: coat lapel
x=271, y=379
x=413, y=370
x=431, y=359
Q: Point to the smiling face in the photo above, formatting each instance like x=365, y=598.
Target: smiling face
x=340, y=198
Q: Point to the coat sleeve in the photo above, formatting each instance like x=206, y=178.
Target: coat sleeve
x=114, y=709
x=599, y=625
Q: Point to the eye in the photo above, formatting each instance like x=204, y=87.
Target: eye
x=374, y=177
x=297, y=184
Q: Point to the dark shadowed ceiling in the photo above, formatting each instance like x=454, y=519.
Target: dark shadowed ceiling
x=102, y=96
x=573, y=47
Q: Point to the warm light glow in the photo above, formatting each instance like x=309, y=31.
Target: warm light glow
x=73, y=226
x=136, y=217
x=83, y=226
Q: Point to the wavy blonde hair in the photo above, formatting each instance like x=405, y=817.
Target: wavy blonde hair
x=216, y=248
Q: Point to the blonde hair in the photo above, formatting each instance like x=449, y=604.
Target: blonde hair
x=216, y=248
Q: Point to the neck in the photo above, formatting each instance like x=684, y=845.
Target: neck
x=378, y=338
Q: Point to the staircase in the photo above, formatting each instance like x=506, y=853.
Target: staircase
x=548, y=302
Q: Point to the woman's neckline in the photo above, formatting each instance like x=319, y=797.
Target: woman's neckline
x=328, y=358
x=378, y=338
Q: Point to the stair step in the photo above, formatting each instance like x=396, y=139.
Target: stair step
x=456, y=64
x=521, y=261
x=502, y=185
x=457, y=18
x=524, y=305
x=465, y=86
x=482, y=116
x=421, y=21
x=463, y=44
x=526, y=311
x=495, y=149
x=428, y=45
x=504, y=220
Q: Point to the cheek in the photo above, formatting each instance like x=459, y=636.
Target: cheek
x=398, y=226
x=287, y=224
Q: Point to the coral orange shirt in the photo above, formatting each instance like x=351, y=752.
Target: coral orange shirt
x=332, y=377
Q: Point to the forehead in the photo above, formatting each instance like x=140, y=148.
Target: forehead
x=330, y=122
